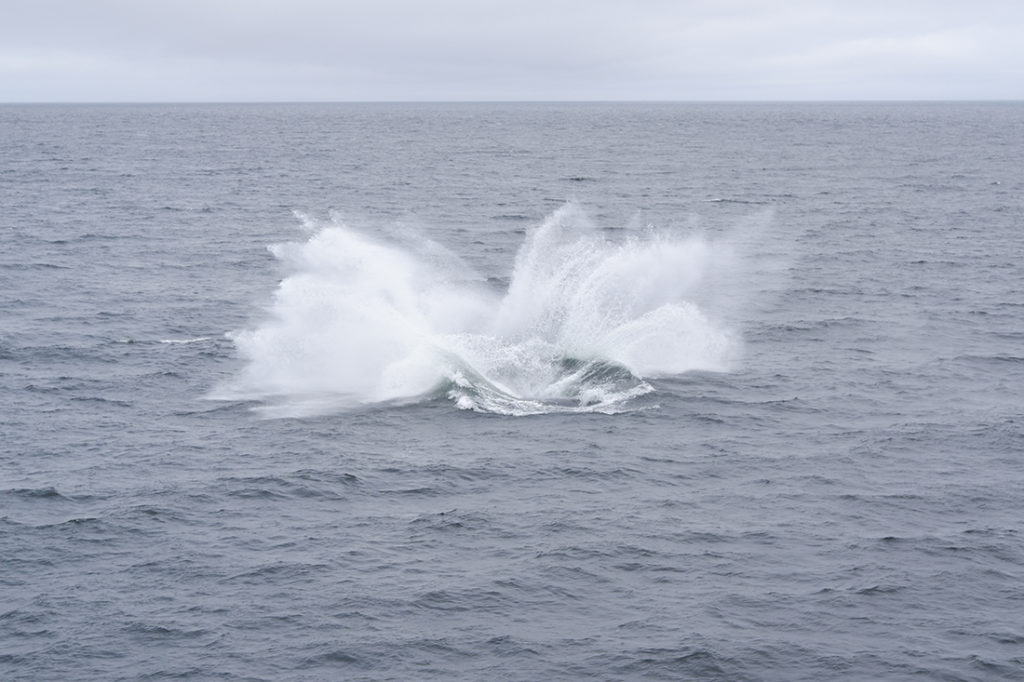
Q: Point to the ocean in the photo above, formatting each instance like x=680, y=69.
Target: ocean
x=512, y=391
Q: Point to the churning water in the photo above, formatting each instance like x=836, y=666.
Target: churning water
x=583, y=320
x=646, y=391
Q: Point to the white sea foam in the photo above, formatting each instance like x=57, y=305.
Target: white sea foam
x=584, y=322
x=198, y=339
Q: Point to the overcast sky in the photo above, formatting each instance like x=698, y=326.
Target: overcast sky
x=385, y=50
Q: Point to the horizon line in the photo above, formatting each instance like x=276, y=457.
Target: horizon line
x=519, y=101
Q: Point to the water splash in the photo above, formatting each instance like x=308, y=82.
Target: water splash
x=584, y=322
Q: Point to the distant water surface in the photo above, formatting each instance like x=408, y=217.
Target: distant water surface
x=517, y=391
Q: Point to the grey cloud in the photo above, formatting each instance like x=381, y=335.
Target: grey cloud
x=454, y=49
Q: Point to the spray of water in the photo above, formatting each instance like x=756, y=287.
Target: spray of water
x=584, y=323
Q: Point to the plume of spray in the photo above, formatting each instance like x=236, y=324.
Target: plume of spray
x=585, y=321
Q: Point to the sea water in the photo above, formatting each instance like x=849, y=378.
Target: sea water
x=512, y=391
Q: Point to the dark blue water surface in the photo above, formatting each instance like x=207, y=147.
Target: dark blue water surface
x=747, y=404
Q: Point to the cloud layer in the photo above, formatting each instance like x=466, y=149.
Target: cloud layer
x=322, y=50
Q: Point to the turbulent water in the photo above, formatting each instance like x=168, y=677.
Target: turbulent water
x=535, y=391
x=583, y=319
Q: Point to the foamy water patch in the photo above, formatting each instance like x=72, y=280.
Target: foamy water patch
x=586, y=319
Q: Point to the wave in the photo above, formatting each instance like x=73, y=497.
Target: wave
x=198, y=339
x=584, y=323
